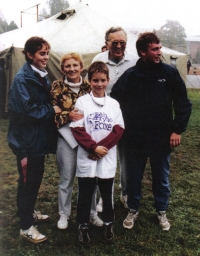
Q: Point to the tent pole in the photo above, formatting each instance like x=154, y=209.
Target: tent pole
x=37, y=11
x=21, y=18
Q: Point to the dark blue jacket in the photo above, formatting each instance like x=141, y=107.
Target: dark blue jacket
x=154, y=104
x=31, y=127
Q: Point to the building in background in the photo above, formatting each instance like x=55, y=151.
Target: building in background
x=193, y=48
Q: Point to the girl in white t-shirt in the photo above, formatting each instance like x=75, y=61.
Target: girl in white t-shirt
x=97, y=133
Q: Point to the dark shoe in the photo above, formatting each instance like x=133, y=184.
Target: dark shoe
x=109, y=234
x=84, y=234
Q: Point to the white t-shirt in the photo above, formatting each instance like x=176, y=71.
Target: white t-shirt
x=98, y=121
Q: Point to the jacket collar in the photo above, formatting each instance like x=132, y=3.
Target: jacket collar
x=146, y=69
x=29, y=73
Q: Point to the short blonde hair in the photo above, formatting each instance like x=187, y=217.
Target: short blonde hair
x=68, y=56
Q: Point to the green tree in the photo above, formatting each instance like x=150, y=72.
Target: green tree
x=12, y=26
x=57, y=6
x=3, y=26
x=172, y=35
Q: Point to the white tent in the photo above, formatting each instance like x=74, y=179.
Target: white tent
x=76, y=29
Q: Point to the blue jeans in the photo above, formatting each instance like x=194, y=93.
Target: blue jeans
x=160, y=181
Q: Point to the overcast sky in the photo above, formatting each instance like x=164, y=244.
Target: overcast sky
x=148, y=14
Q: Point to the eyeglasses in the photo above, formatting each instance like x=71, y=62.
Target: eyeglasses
x=115, y=43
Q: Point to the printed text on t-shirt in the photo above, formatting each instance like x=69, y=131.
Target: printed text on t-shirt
x=99, y=121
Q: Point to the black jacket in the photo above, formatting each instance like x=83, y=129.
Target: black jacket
x=154, y=103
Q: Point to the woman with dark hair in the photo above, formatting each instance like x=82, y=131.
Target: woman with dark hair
x=30, y=131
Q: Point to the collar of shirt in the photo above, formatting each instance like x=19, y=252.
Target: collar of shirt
x=108, y=60
x=42, y=73
x=99, y=101
x=75, y=87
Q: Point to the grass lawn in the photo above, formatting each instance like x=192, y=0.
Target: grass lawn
x=145, y=239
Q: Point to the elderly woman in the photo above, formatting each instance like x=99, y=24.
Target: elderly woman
x=65, y=93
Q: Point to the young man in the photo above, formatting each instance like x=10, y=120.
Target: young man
x=31, y=131
x=148, y=94
x=97, y=134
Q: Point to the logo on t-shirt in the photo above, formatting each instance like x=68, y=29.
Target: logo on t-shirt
x=99, y=121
